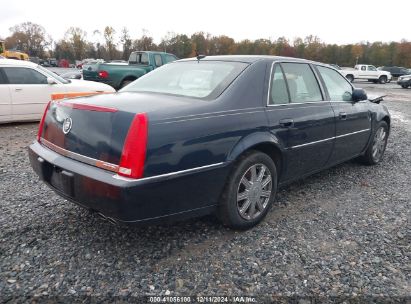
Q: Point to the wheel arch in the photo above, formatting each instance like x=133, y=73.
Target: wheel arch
x=264, y=142
x=128, y=77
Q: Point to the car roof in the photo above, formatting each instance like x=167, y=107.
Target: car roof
x=16, y=62
x=248, y=58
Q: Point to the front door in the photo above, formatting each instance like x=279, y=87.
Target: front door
x=353, y=119
x=300, y=118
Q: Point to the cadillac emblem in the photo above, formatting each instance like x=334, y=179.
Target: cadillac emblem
x=67, y=124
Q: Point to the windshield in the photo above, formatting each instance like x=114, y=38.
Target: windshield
x=199, y=79
x=52, y=75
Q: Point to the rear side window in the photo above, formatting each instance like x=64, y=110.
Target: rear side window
x=158, y=60
x=24, y=76
x=337, y=86
x=302, y=84
x=278, y=87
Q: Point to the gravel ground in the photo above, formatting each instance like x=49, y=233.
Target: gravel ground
x=344, y=232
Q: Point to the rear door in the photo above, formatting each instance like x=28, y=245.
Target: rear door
x=5, y=99
x=300, y=117
x=29, y=92
x=353, y=119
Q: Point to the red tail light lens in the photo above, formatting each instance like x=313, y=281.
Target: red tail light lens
x=41, y=125
x=103, y=74
x=134, y=149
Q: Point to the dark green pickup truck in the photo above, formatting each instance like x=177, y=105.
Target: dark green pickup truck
x=119, y=75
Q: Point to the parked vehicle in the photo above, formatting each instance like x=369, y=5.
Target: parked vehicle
x=404, y=81
x=366, y=72
x=25, y=89
x=77, y=74
x=12, y=54
x=118, y=75
x=395, y=71
x=35, y=60
x=63, y=63
x=215, y=134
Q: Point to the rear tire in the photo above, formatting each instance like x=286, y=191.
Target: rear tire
x=350, y=78
x=383, y=79
x=125, y=82
x=375, y=151
x=404, y=86
x=249, y=192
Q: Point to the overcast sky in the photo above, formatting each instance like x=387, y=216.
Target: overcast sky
x=338, y=22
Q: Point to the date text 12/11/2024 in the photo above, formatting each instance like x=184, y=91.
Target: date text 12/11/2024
x=202, y=299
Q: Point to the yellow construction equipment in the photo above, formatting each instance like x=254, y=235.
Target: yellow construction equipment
x=12, y=54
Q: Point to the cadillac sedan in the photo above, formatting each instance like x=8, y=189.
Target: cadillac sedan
x=206, y=135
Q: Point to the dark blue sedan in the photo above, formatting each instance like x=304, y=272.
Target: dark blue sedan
x=206, y=135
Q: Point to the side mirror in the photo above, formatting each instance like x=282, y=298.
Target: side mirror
x=51, y=81
x=358, y=95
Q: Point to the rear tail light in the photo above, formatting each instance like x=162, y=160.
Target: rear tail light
x=41, y=125
x=103, y=74
x=134, y=149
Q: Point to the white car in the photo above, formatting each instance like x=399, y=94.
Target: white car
x=26, y=87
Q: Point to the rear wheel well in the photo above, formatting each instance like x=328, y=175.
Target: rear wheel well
x=272, y=151
x=129, y=78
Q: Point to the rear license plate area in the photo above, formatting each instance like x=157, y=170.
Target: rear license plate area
x=62, y=180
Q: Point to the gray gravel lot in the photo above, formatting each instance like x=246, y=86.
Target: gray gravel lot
x=342, y=232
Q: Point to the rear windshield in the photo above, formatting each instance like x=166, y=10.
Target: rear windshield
x=138, y=58
x=198, y=79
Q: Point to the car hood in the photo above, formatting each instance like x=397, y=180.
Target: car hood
x=85, y=85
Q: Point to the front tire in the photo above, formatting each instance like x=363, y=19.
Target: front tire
x=249, y=192
x=375, y=151
x=383, y=79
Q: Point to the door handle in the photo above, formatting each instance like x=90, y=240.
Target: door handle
x=343, y=115
x=18, y=89
x=286, y=123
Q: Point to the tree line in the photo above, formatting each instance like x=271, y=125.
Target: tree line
x=109, y=44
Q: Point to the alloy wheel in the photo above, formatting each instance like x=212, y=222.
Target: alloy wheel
x=379, y=143
x=254, y=191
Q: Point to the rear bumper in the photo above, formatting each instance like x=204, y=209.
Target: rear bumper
x=156, y=199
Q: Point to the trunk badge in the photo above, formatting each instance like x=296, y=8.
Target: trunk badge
x=67, y=124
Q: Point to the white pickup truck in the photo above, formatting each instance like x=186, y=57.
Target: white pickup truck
x=368, y=72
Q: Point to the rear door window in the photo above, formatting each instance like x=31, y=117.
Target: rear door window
x=302, y=84
x=24, y=76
